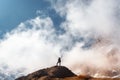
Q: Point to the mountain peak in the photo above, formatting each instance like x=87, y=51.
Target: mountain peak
x=52, y=72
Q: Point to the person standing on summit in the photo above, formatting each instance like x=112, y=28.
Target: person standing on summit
x=58, y=62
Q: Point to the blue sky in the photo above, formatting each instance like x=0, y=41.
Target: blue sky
x=13, y=12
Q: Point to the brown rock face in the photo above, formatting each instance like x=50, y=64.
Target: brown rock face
x=59, y=73
x=49, y=73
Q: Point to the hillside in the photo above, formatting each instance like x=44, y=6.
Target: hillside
x=58, y=73
x=49, y=73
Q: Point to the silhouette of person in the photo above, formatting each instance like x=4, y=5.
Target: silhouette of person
x=59, y=62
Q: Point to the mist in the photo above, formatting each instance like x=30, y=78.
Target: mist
x=97, y=23
x=88, y=45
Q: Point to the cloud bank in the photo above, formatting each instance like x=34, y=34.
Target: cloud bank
x=97, y=23
x=88, y=40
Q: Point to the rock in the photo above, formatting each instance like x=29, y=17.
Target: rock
x=48, y=73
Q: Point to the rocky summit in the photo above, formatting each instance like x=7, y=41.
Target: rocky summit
x=49, y=73
x=59, y=73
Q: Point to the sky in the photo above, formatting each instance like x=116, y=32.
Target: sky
x=13, y=12
x=84, y=33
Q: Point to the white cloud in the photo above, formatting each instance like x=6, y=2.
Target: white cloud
x=30, y=48
x=92, y=19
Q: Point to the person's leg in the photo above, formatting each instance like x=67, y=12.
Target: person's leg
x=60, y=63
x=57, y=64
